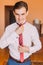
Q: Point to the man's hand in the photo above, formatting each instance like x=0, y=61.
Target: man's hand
x=19, y=30
x=23, y=49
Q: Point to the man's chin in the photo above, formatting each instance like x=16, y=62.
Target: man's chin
x=19, y=22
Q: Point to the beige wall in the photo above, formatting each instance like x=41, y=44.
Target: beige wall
x=35, y=11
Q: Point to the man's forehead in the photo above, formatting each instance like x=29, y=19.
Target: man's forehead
x=21, y=10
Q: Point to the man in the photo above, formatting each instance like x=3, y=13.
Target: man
x=20, y=53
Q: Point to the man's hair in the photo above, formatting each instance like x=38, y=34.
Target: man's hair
x=19, y=5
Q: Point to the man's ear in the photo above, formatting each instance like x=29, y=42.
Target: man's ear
x=27, y=13
x=13, y=12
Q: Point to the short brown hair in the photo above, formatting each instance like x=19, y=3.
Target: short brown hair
x=19, y=5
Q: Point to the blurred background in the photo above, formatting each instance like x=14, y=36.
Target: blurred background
x=34, y=17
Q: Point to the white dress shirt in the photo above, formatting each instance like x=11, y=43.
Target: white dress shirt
x=11, y=39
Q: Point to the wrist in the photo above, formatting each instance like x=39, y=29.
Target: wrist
x=27, y=50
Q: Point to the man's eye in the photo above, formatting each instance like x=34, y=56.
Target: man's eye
x=22, y=14
x=16, y=14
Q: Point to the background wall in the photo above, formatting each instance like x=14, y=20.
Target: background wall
x=35, y=11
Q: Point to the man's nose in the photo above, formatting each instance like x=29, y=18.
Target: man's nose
x=20, y=17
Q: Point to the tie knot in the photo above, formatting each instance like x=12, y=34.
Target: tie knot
x=20, y=24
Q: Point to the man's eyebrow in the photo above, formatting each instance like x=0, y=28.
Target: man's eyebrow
x=22, y=13
x=18, y=14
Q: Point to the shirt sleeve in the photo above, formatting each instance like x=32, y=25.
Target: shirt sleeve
x=3, y=40
x=36, y=41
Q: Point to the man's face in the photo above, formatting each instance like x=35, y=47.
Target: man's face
x=20, y=15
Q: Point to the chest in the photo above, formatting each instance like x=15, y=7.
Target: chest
x=14, y=41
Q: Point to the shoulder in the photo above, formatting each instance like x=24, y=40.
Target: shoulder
x=31, y=26
x=33, y=31
x=11, y=26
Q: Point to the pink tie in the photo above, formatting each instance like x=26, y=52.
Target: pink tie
x=21, y=43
